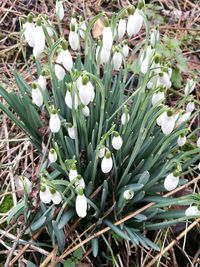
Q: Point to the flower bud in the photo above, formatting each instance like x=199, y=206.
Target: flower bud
x=39, y=41
x=190, y=107
x=81, y=205
x=125, y=118
x=69, y=100
x=158, y=97
x=71, y=132
x=155, y=36
x=65, y=59
x=101, y=152
x=52, y=155
x=189, y=88
x=25, y=183
x=121, y=28
x=171, y=182
x=45, y=194
x=125, y=50
x=117, y=141
x=168, y=123
x=117, y=60
x=73, y=39
x=135, y=22
x=56, y=197
x=29, y=29
x=54, y=122
x=37, y=96
x=181, y=140
x=59, y=10
x=82, y=29
x=73, y=173
x=42, y=82
x=192, y=211
x=107, y=163
x=128, y=194
x=86, y=111
x=107, y=37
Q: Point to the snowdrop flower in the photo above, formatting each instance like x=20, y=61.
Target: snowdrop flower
x=52, y=155
x=164, y=80
x=189, y=88
x=101, y=152
x=49, y=26
x=74, y=22
x=29, y=29
x=158, y=97
x=81, y=205
x=181, y=140
x=107, y=35
x=192, y=211
x=42, y=81
x=73, y=173
x=79, y=182
x=190, y=107
x=36, y=95
x=70, y=99
x=168, y=122
x=86, y=111
x=45, y=194
x=183, y=118
x=160, y=118
x=59, y=10
x=82, y=29
x=117, y=141
x=71, y=131
x=125, y=50
x=73, y=38
x=198, y=142
x=107, y=163
x=86, y=90
x=55, y=197
x=171, y=181
x=128, y=194
x=152, y=82
x=105, y=55
x=25, y=183
x=54, y=122
x=125, y=118
x=39, y=40
x=155, y=36
x=65, y=59
x=135, y=21
x=97, y=52
x=146, y=60
x=117, y=60
x=121, y=27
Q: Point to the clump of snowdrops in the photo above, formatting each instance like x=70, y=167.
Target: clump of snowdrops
x=112, y=143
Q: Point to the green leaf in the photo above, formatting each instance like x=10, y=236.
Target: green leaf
x=78, y=254
x=116, y=230
x=15, y=211
x=60, y=236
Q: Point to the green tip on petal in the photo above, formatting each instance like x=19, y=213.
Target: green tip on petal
x=140, y=4
x=131, y=10
x=34, y=86
x=54, y=111
x=64, y=45
x=43, y=188
x=106, y=22
x=52, y=150
x=44, y=73
x=157, y=59
x=73, y=27
x=80, y=190
x=176, y=173
x=79, y=177
x=38, y=21
x=108, y=154
x=30, y=18
x=52, y=190
x=73, y=167
x=169, y=113
x=85, y=80
x=116, y=134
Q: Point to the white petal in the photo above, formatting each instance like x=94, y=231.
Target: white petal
x=183, y=118
x=171, y=182
x=117, y=60
x=192, y=211
x=46, y=196
x=42, y=82
x=125, y=118
x=128, y=194
x=37, y=97
x=67, y=60
x=105, y=55
x=160, y=118
x=155, y=35
x=101, y=152
x=54, y=123
x=97, y=53
x=168, y=124
x=181, y=140
x=85, y=94
x=117, y=142
x=107, y=38
x=134, y=24
x=29, y=33
x=198, y=142
x=26, y=183
x=86, y=111
x=90, y=88
x=39, y=42
x=81, y=206
x=106, y=164
x=145, y=65
x=52, y=157
x=121, y=28
x=68, y=100
x=125, y=50
x=83, y=29
x=56, y=198
x=71, y=132
x=72, y=175
x=60, y=72
x=157, y=98
x=59, y=10
x=73, y=40
x=80, y=183
x=49, y=28
x=190, y=107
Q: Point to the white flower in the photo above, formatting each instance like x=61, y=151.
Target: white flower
x=117, y=141
x=73, y=39
x=42, y=82
x=59, y=10
x=52, y=155
x=68, y=100
x=54, y=123
x=198, y=142
x=155, y=36
x=73, y=173
x=82, y=29
x=29, y=29
x=25, y=183
x=171, y=182
x=37, y=96
x=181, y=140
x=152, y=82
x=135, y=22
x=107, y=38
x=107, y=163
x=80, y=182
x=59, y=71
x=199, y=166
x=56, y=197
x=39, y=41
x=45, y=194
x=164, y=80
x=117, y=60
x=97, y=52
x=146, y=60
x=74, y=24
x=183, y=118
x=190, y=107
x=121, y=28
x=86, y=91
x=65, y=59
x=49, y=28
x=125, y=118
x=105, y=55
x=168, y=123
x=71, y=132
x=160, y=118
x=86, y=111
x=189, y=86
x=128, y=194
x=157, y=97
x=101, y=152
x=192, y=211
x=125, y=50
x=81, y=206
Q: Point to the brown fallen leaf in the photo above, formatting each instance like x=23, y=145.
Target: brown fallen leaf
x=98, y=28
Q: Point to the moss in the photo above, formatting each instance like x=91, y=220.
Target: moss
x=6, y=204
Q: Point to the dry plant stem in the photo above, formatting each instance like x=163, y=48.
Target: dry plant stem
x=151, y=263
